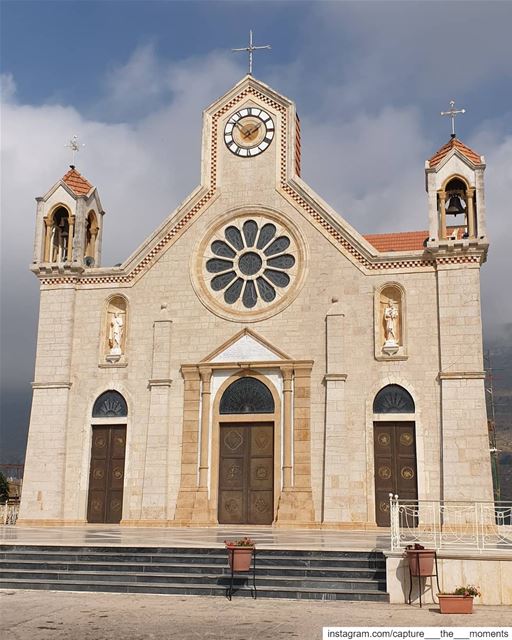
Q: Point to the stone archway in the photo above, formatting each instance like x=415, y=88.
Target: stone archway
x=394, y=442
x=246, y=453
x=106, y=475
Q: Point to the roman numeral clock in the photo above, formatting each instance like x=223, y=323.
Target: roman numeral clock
x=249, y=132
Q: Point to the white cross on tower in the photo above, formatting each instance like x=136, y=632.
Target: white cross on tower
x=250, y=50
x=453, y=113
x=74, y=145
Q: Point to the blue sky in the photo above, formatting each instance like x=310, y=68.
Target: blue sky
x=132, y=78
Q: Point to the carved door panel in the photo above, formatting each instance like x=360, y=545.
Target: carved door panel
x=395, y=466
x=106, y=478
x=246, y=474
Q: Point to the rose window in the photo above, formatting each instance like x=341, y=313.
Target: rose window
x=250, y=263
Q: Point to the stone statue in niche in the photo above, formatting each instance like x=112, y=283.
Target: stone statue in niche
x=115, y=337
x=390, y=319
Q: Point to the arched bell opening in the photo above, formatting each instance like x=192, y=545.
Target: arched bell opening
x=248, y=414
x=394, y=446
x=108, y=447
x=457, y=210
x=59, y=235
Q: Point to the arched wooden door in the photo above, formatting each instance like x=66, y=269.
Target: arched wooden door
x=106, y=476
x=246, y=466
x=394, y=452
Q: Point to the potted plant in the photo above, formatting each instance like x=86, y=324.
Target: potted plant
x=240, y=553
x=458, y=601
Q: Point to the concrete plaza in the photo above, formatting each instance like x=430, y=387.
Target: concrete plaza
x=41, y=615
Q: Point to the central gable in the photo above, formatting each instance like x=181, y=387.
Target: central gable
x=246, y=346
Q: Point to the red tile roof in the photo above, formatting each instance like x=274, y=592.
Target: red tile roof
x=77, y=182
x=471, y=155
x=406, y=241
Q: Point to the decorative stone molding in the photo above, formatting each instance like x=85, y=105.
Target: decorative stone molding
x=462, y=375
x=51, y=385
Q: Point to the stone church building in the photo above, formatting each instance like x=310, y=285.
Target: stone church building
x=257, y=360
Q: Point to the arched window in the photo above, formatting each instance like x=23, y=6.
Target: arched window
x=393, y=399
x=247, y=395
x=59, y=239
x=110, y=404
x=457, y=210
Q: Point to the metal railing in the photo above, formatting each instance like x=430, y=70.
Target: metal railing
x=443, y=524
x=9, y=513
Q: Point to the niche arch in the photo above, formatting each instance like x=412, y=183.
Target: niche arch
x=390, y=321
x=115, y=329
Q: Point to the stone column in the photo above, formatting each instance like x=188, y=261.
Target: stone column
x=337, y=456
x=155, y=506
x=206, y=375
x=471, y=213
x=287, y=427
x=201, y=513
x=442, y=215
x=47, y=237
x=71, y=232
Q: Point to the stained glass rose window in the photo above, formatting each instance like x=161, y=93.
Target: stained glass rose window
x=251, y=263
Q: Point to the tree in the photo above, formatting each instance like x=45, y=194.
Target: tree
x=4, y=488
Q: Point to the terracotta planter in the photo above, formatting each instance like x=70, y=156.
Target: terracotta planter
x=240, y=558
x=421, y=562
x=455, y=604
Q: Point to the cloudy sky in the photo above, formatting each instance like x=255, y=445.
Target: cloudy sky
x=131, y=79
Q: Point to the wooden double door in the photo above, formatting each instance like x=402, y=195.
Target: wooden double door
x=395, y=466
x=106, y=478
x=246, y=473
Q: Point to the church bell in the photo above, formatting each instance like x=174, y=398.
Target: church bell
x=455, y=206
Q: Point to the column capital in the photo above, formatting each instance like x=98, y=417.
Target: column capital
x=205, y=373
x=189, y=372
x=287, y=371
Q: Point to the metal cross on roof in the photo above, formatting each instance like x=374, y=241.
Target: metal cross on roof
x=74, y=145
x=250, y=50
x=453, y=113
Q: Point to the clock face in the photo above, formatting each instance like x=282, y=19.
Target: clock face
x=249, y=132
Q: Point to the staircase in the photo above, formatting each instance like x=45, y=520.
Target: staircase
x=319, y=575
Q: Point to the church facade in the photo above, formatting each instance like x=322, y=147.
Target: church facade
x=257, y=360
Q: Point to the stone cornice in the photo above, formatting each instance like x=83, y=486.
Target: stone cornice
x=462, y=375
x=51, y=385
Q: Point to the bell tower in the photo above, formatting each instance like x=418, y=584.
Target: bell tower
x=458, y=244
x=455, y=188
x=69, y=223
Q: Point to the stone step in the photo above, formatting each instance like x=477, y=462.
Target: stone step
x=214, y=578
x=188, y=571
x=196, y=589
x=193, y=568
x=199, y=551
x=263, y=559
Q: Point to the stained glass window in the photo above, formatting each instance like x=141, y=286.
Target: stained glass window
x=251, y=263
x=247, y=395
x=110, y=404
x=393, y=399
